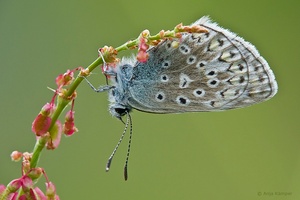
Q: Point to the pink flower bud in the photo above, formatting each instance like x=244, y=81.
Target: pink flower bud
x=109, y=53
x=178, y=35
x=35, y=173
x=50, y=190
x=84, y=72
x=26, y=161
x=22, y=197
x=42, y=122
x=69, y=125
x=64, y=79
x=48, y=109
x=14, y=196
x=14, y=185
x=162, y=34
x=39, y=194
x=26, y=183
x=16, y=156
x=143, y=46
x=2, y=188
x=55, y=136
x=142, y=56
x=27, y=156
x=145, y=33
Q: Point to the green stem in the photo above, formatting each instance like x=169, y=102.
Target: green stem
x=38, y=147
x=62, y=103
x=127, y=45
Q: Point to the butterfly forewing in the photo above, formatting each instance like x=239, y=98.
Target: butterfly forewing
x=201, y=72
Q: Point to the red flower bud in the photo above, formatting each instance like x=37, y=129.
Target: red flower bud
x=14, y=196
x=64, y=79
x=2, y=188
x=42, y=122
x=22, y=197
x=35, y=173
x=55, y=135
x=26, y=183
x=14, y=185
x=69, y=125
x=142, y=56
x=50, y=190
x=38, y=194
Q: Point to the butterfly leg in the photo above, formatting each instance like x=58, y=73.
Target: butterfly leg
x=101, y=88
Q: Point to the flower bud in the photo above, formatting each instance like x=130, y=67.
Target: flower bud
x=64, y=79
x=26, y=183
x=50, y=190
x=42, y=122
x=35, y=173
x=55, y=136
x=69, y=125
x=142, y=56
x=38, y=194
x=16, y=156
x=14, y=185
x=2, y=189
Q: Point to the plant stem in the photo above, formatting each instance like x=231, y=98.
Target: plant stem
x=41, y=142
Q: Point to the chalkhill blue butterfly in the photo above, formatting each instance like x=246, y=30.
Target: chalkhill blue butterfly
x=199, y=72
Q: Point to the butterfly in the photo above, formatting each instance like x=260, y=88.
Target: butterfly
x=199, y=72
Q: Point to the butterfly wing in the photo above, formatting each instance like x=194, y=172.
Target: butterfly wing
x=201, y=72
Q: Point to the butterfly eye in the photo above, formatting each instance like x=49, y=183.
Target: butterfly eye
x=124, y=68
x=121, y=111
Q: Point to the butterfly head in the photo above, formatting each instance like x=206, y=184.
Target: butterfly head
x=118, y=95
x=118, y=106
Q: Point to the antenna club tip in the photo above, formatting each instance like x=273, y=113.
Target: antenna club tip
x=125, y=173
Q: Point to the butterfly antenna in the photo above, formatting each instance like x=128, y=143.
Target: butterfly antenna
x=118, y=144
x=128, y=148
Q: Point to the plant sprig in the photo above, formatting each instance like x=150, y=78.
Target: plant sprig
x=48, y=129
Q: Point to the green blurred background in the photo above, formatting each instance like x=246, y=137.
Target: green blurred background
x=249, y=153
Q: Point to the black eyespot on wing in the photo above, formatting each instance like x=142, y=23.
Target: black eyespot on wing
x=211, y=73
x=213, y=82
x=160, y=97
